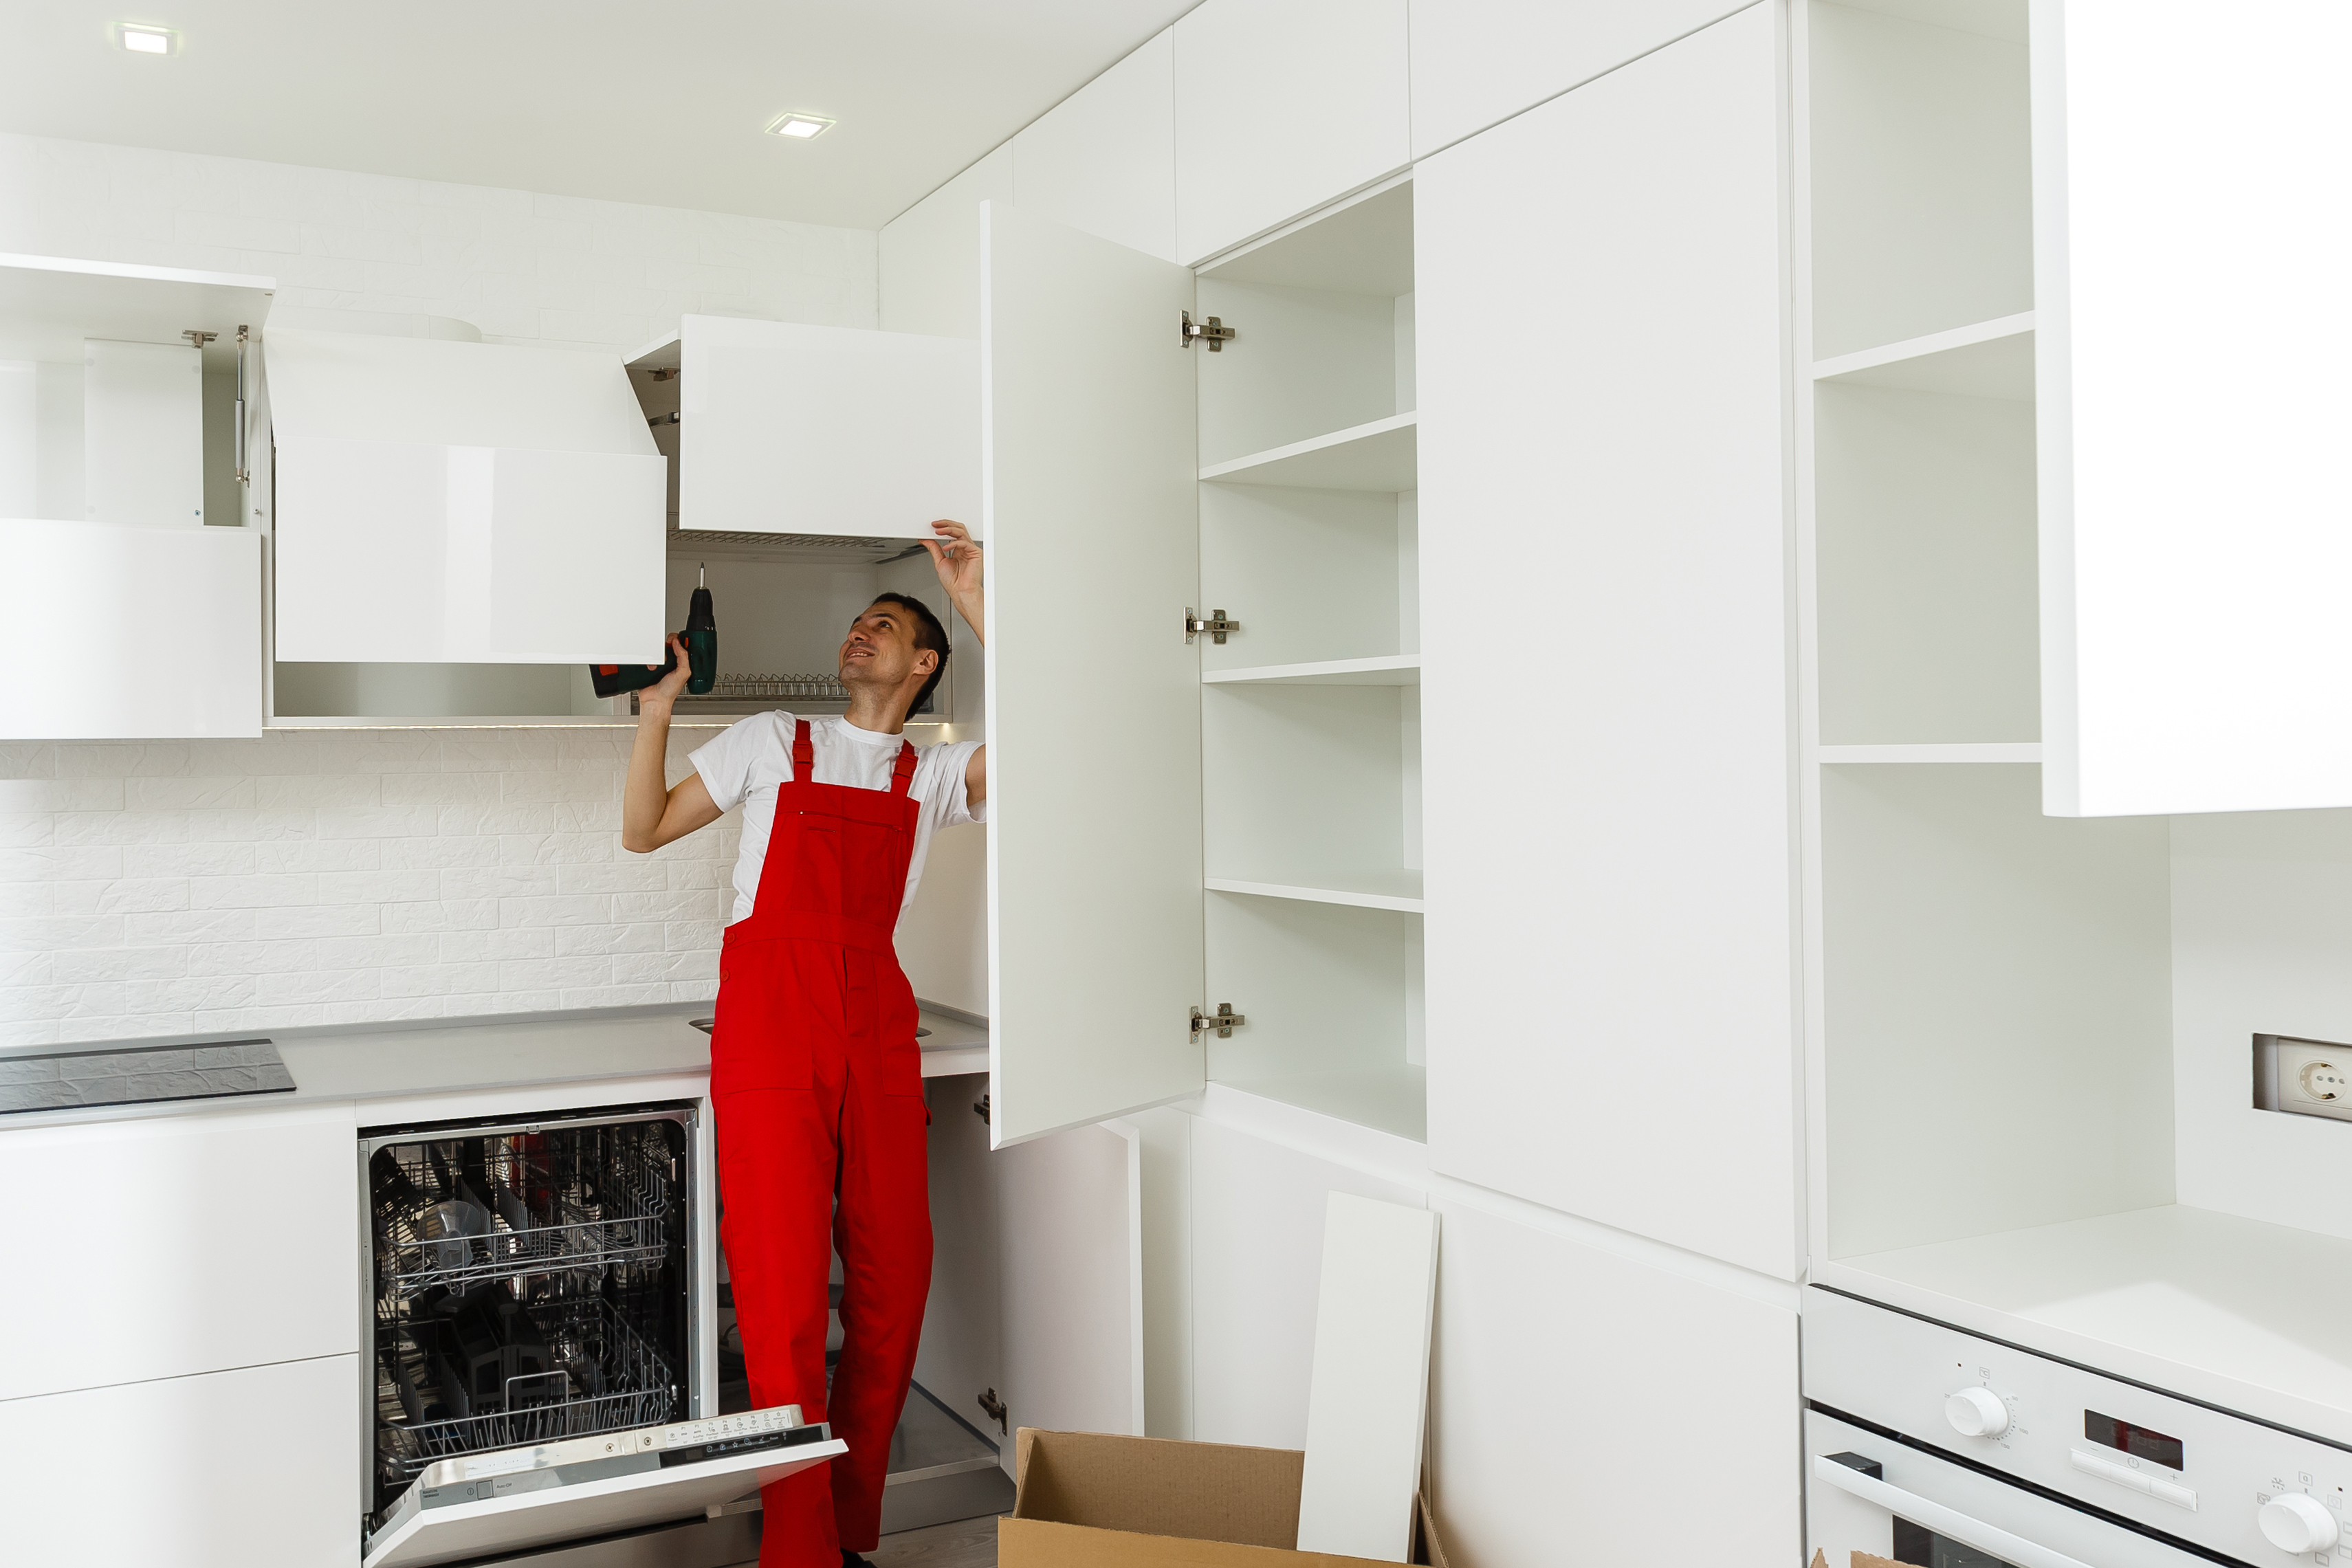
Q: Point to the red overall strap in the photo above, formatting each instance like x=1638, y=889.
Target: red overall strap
x=904, y=773
x=803, y=753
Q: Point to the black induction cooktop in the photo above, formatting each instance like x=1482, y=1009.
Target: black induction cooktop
x=117, y=1075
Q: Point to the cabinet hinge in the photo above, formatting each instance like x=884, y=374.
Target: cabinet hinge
x=1210, y=330
x=980, y=1109
x=1225, y=1021
x=993, y=1408
x=1216, y=625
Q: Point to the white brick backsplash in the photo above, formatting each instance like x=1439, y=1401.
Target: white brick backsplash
x=317, y=877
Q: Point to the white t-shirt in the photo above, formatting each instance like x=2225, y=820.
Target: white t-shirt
x=747, y=763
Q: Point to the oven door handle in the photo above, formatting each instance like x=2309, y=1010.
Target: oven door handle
x=1943, y=1521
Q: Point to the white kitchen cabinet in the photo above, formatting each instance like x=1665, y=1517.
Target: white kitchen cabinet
x=930, y=253
x=2193, y=545
x=142, y=632
x=1477, y=62
x=1104, y=159
x=256, y=1468
x=1281, y=107
x=178, y=1245
x=1611, y=944
x=1656, y=1410
x=446, y=501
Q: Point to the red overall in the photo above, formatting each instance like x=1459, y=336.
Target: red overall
x=818, y=1088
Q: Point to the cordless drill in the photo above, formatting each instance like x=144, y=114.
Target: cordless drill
x=701, y=635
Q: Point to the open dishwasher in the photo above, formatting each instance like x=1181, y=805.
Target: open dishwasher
x=534, y=1318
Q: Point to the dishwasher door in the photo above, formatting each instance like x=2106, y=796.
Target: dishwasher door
x=485, y=1504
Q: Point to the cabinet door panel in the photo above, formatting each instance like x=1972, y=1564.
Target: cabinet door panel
x=2189, y=316
x=1531, y=1324
x=1610, y=940
x=258, y=1468
x=462, y=503
x=161, y=628
x=159, y=1269
x=1104, y=159
x=795, y=429
x=1281, y=106
x=1094, y=704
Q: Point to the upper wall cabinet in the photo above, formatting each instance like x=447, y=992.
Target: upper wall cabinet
x=1103, y=160
x=1611, y=944
x=780, y=428
x=1282, y=106
x=444, y=501
x=930, y=253
x=121, y=412
x=1476, y=62
x=2191, y=322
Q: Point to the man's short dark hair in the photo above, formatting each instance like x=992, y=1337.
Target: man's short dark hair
x=929, y=633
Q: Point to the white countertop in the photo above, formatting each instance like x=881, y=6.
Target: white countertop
x=381, y=1061
x=2236, y=1313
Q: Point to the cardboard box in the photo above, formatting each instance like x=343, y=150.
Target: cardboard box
x=1085, y=1498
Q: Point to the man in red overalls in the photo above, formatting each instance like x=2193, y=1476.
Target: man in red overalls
x=815, y=1078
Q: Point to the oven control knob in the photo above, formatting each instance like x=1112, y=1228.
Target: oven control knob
x=1976, y=1412
x=2296, y=1523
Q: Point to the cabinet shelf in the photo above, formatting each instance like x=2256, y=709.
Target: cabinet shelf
x=1397, y=890
x=1388, y=670
x=1987, y=359
x=1380, y=455
x=1945, y=752
x=1391, y=1099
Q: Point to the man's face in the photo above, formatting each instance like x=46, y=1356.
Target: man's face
x=880, y=650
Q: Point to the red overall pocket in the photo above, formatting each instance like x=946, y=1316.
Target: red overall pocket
x=759, y=1038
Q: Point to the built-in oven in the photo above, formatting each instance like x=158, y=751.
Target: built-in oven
x=534, y=1323
x=1930, y=1445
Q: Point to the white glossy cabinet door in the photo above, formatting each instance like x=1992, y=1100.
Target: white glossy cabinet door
x=443, y=502
x=2191, y=317
x=1104, y=159
x=1476, y=62
x=1281, y=106
x=154, y=633
x=1610, y=925
x=1071, y=1263
x=175, y=1245
x=792, y=429
x=1658, y=1411
x=1093, y=702
x=259, y=1467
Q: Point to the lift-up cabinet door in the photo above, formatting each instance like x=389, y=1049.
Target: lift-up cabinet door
x=786, y=428
x=2191, y=323
x=1094, y=699
x=442, y=502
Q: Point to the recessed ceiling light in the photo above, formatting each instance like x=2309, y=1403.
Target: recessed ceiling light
x=142, y=39
x=799, y=126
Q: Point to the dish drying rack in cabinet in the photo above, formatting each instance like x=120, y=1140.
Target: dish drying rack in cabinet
x=603, y=1376
x=549, y=1208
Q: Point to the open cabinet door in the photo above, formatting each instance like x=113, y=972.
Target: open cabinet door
x=1090, y=498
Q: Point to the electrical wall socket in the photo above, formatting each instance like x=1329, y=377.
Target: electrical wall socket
x=2303, y=1077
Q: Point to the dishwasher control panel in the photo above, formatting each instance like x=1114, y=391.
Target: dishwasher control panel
x=2226, y=1482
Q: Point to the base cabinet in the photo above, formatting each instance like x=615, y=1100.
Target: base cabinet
x=258, y=1467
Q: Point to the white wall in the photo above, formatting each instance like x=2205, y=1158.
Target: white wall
x=305, y=878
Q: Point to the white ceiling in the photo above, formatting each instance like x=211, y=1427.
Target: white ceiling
x=663, y=101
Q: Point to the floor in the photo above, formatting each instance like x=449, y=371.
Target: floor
x=966, y=1544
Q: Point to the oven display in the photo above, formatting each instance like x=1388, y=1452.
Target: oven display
x=2137, y=1441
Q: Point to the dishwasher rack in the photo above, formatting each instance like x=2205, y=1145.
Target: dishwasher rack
x=457, y=1214
x=605, y=1377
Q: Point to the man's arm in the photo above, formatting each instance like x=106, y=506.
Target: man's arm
x=651, y=815
x=958, y=563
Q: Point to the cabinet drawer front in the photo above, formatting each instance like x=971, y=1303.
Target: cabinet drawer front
x=173, y=1245
x=254, y=1469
